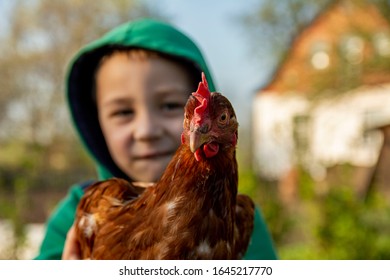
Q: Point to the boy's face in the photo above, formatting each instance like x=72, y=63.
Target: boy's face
x=141, y=105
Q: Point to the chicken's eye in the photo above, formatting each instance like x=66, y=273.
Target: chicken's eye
x=223, y=118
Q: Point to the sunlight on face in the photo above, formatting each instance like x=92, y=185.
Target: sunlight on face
x=141, y=105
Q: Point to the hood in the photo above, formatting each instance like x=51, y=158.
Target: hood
x=145, y=33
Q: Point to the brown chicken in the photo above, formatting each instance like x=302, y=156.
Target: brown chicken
x=193, y=212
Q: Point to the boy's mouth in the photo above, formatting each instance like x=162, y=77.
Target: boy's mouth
x=152, y=155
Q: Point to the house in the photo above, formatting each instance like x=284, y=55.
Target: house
x=328, y=102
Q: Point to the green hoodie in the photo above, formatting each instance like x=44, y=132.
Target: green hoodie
x=147, y=34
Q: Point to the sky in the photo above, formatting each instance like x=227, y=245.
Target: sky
x=212, y=24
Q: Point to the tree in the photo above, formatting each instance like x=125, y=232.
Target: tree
x=384, y=7
x=272, y=24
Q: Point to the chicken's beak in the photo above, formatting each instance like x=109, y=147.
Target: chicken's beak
x=198, y=136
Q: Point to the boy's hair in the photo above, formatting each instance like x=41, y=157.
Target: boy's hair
x=138, y=53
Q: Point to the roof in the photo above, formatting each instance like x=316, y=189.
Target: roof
x=322, y=19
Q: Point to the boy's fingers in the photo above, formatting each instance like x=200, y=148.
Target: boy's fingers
x=71, y=247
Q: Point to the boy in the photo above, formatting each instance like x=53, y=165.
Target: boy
x=126, y=93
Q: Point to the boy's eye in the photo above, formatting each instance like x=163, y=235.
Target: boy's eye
x=170, y=106
x=123, y=113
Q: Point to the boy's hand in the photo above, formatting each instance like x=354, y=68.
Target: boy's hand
x=71, y=247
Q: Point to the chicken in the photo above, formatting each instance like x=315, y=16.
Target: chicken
x=192, y=212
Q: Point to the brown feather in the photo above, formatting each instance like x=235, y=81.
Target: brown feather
x=193, y=212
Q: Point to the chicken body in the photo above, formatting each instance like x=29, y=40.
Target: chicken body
x=193, y=212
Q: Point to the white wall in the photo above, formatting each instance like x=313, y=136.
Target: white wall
x=340, y=130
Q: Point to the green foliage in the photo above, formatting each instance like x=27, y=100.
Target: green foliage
x=331, y=224
x=247, y=183
x=33, y=177
x=263, y=24
x=353, y=229
x=264, y=193
x=12, y=210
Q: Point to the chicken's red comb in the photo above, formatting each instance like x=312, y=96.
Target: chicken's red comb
x=202, y=94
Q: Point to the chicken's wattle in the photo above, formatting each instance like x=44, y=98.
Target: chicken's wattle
x=209, y=150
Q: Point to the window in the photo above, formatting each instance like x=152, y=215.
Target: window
x=353, y=47
x=382, y=43
x=320, y=58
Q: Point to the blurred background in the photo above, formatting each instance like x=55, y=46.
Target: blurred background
x=310, y=80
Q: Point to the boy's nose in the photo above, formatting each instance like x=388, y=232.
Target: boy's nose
x=147, y=127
